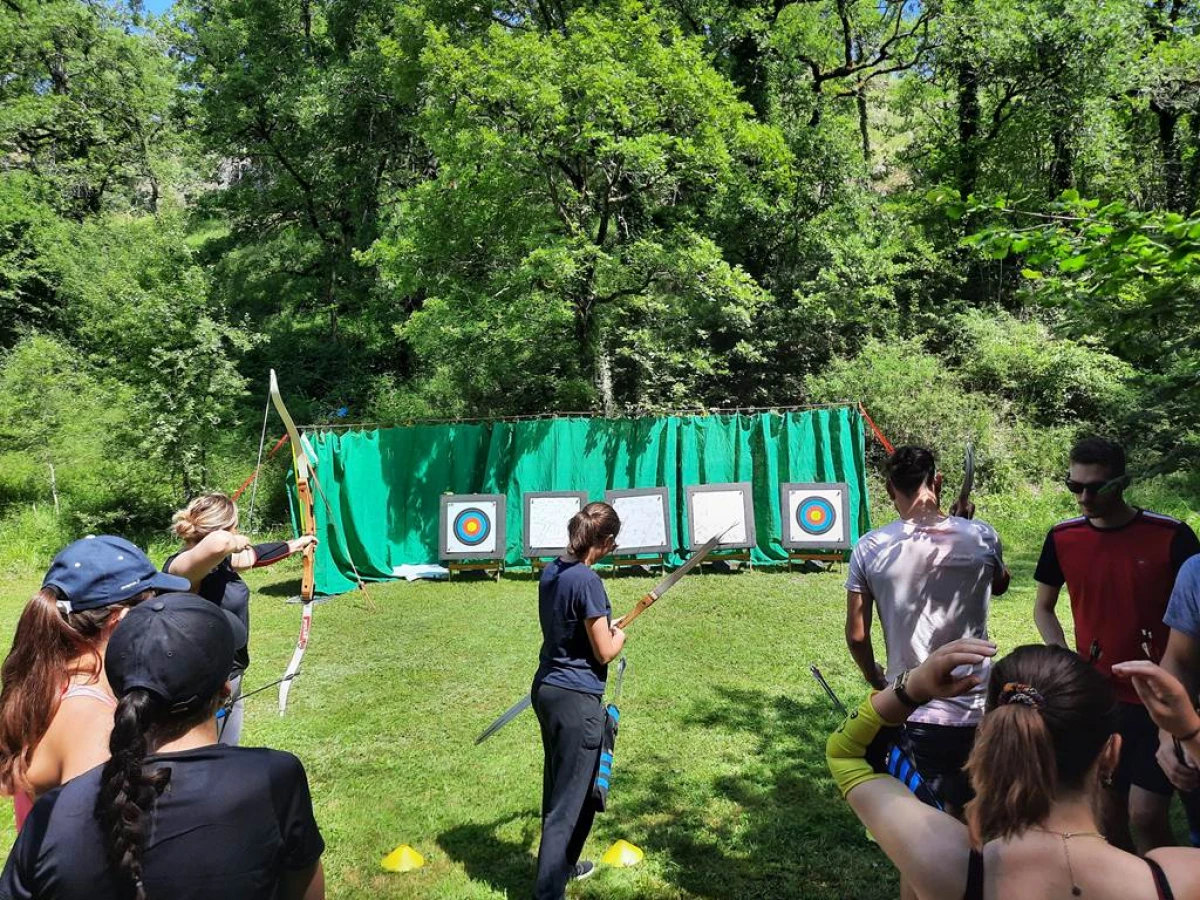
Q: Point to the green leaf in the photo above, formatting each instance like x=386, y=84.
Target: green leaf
x=1074, y=263
x=1032, y=274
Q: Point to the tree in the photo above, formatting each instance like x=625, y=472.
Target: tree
x=307, y=128
x=567, y=228
x=84, y=102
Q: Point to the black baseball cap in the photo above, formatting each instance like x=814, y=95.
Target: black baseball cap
x=101, y=570
x=179, y=647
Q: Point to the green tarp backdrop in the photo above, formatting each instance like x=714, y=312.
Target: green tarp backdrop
x=384, y=486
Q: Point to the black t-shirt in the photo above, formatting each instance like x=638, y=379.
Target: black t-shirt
x=224, y=587
x=230, y=822
x=570, y=593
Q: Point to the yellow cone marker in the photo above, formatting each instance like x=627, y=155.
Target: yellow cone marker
x=403, y=859
x=622, y=854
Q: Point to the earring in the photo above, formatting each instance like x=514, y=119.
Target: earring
x=1106, y=779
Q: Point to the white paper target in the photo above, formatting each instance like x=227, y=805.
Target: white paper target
x=546, y=520
x=472, y=526
x=645, y=525
x=721, y=509
x=816, y=516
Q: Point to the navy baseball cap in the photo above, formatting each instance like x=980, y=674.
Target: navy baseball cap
x=101, y=570
x=179, y=647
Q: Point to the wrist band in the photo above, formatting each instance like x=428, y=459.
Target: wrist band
x=900, y=688
x=271, y=552
x=1184, y=738
x=846, y=749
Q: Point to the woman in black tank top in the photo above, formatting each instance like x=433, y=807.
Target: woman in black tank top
x=213, y=554
x=1044, y=753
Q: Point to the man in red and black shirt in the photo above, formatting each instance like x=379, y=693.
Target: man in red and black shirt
x=1119, y=565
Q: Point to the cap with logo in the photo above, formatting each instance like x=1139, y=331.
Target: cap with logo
x=101, y=570
x=179, y=647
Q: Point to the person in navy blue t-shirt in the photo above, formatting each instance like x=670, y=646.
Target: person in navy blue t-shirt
x=172, y=814
x=578, y=642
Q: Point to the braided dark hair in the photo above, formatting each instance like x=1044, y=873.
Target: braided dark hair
x=127, y=792
x=141, y=724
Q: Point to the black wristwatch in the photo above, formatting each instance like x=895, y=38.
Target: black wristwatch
x=900, y=685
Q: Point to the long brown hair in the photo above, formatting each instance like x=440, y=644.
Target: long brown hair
x=1028, y=755
x=45, y=645
x=591, y=527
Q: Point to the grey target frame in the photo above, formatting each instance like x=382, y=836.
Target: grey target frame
x=810, y=543
x=497, y=524
x=747, y=491
x=665, y=497
x=527, y=549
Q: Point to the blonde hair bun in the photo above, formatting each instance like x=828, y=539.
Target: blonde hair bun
x=204, y=515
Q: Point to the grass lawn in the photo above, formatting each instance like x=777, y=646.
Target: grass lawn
x=720, y=772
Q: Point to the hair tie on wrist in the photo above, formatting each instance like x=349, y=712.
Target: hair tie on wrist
x=1184, y=738
x=1025, y=694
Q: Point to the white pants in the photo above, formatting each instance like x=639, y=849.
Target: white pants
x=229, y=728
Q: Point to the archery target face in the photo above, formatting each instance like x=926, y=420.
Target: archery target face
x=721, y=509
x=815, y=516
x=645, y=525
x=546, y=517
x=472, y=526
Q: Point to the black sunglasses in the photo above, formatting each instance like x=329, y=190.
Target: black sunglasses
x=1096, y=487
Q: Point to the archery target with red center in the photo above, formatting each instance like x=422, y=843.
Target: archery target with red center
x=472, y=525
x=815, y=516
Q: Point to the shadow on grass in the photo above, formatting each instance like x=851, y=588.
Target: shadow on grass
x=490, y=857
x=283, y=590
x=768, y=826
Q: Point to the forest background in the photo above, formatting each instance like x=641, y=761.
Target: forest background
x=978, y=218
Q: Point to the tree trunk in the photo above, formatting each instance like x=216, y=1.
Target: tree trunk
x=604, y=382
x=1172, y=158
x=1193, y=180
x=746, y=71
x=860, y=99
x=968, y=127
x=54, y=490
x=863, y=124
x=1061, y=166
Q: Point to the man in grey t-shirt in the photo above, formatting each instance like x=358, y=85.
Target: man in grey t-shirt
x=930, y=577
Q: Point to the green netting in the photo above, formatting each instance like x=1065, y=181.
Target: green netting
x=383, y=486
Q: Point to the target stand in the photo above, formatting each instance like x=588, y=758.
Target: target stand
x=728, y=556
x=830, y=557
x=471, y=533
x=480, y=565
x=628, y=562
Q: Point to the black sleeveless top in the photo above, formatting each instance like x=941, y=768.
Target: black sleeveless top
x=975, y=878
x=224, y=587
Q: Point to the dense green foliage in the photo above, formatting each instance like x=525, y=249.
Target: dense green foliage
x=979, y=218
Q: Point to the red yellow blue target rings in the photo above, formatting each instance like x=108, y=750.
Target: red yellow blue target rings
x=815, y=515
x=472, y=527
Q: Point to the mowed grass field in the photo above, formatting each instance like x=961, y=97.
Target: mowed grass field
x=720, y=772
